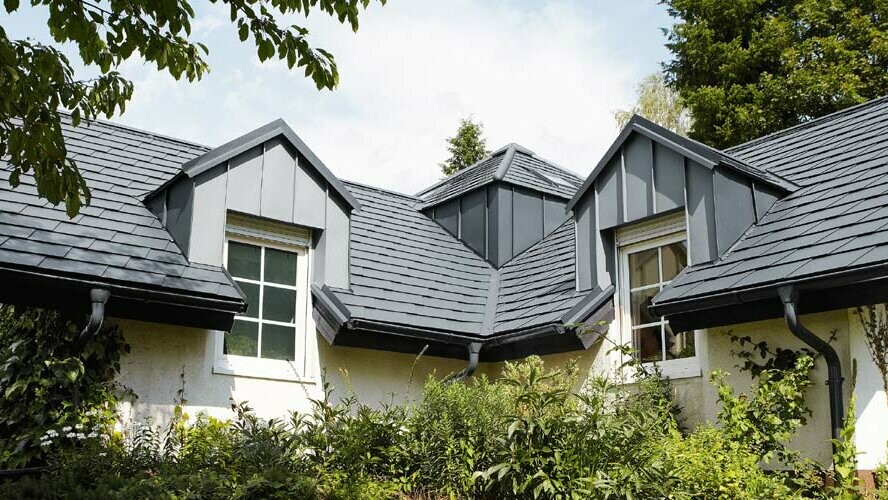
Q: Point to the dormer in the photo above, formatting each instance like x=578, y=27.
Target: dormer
x=503, y=204
x=267, y=185
x=651, y=178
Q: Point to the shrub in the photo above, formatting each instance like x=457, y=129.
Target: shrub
x=49, y=379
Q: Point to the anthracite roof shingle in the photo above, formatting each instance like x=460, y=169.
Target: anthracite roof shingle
x=116, y=239
x=513, y=164
x=835, y=222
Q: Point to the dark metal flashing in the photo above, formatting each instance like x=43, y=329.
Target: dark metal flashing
x=699, y=152
x=127, y=300
x=252, y=139
x=591, y=303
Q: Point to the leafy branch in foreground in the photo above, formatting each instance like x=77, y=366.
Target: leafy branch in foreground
x=37, y=80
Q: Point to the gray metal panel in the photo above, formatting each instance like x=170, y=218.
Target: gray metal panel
x=734, y=208
x=638, y=160
x=765, y=197
x=157, y=205
x=208, y=229
x=528, y=219
x=180, y=206
x=609, y=187
x=500, y=224
x=553, y=213
x=337, y=244
x=473, y=215
x=310, y=200
x=586, y=244
x=278, y=181
x=244, y=182
x=668, y=178
x=701, y=213
x=607, y=258
x=447, y=214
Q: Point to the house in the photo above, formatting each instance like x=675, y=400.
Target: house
x=665, y=246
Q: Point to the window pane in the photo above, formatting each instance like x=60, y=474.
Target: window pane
x=243, y=260
x=679, y=345
x=643, y=268
x=278, y=342
x=640, y=301
x=675, y=258
x=279, y=304
x=648, y=343
x=280, y=267
x=243, y=339
x=252, y=292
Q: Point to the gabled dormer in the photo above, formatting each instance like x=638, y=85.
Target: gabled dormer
x=267, y=183
x=503, y=204
x=652, y=175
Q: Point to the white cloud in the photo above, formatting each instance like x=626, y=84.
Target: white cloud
x=541, y=75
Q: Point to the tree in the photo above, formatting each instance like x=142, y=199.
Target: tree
x=466, y=148
x=37, y=80
x=748, y=68
x=659, y=104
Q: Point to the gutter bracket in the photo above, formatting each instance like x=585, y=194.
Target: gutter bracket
x=790, y=297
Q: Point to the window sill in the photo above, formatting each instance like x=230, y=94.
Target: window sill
x=267, y=369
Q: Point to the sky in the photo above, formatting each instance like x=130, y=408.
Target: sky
x=545, y=74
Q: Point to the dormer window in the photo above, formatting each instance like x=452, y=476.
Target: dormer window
x=650, y=258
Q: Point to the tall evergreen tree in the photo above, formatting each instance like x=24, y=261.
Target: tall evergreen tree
x=746, y=68
x=466, y=148
x=659, y=104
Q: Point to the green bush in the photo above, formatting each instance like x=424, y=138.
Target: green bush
x=49, y=379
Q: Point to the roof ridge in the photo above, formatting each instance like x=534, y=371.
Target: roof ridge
x=379, y=189
x=462, y=172
x=809, y=123
x=111, y=124
x=506, y=162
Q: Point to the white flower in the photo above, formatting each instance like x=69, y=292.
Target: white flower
x=102, y=454
x=52, y=433
x=45, y=443
x=81, y=435
x=66, y=428
x=70, y=435
x=92, y=435
x=78, y=426
x=106, y=437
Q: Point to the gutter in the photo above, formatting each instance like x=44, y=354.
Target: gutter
x=789, y=297
x=474, y=355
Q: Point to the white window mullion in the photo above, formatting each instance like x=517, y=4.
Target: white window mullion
x=261, y=299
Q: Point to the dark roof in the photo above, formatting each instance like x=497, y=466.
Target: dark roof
x=409, y=272
x=697, y=151
x=116, y=242
x=511, y=163
x=209, y=159
x=834, y=224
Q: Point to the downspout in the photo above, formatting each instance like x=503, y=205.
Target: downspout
x=474, y=352
x=789, y=297
x=98, y=297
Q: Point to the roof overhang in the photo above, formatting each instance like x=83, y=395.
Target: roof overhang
x=696, y=151
x=579, y=329
x=127, y=300
x=824, y=292
x=229, y=150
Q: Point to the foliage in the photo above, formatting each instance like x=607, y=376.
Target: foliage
x=37, y=80
x=49, y=379
x=659, y=104
x=526, y=435
x=466, y=148
x=748, y=68
x=874, y=321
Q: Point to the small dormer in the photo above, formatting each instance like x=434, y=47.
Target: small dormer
x=652, y=177
x=265, y=179
x=502, y=205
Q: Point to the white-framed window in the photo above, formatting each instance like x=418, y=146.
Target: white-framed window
x=269, y=340
x=646, y=267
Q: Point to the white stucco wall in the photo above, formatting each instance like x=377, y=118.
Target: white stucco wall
x=160, y=354
x=871, y=433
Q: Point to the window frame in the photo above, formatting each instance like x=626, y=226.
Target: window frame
x=671, y=368
x=296, y=370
